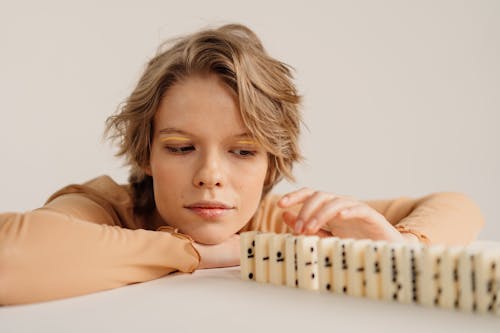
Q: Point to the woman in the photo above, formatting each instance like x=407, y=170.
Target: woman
x=211, y=127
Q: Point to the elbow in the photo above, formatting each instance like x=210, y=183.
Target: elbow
x=467, y=210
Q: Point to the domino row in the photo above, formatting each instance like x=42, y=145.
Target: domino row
x=456, y=277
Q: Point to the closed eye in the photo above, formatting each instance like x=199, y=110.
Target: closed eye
x=245, y=153
x=179, y=150
x=186, y=149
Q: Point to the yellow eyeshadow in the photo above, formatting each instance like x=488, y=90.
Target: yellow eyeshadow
x=174, y=138
x=251, y=142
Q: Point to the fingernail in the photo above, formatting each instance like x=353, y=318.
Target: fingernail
x=298, y=226
x=284, y=200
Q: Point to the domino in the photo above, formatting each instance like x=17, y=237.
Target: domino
x=428, y=281
x=450, y=277
x=247, y=255
x=414, y=253
x=355, y=267
x=466, y=282
x=495, y=305
x=390, y=256
x=408, y=269
x=291, y=266
x=262, y=257
x=448, y=274
x=486, y=280
x=325, y=259
x=340, y=265
x=372, y=269
x=307, y=261
x=277, y=268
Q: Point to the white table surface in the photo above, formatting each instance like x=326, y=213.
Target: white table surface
x=217, y=300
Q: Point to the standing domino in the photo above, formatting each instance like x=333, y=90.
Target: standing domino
x=390, y=256
x=247, y=255
x=307, y=261
x=291, y=261
x=340, y=265
x=355, y=263
x=415, y=255
x=262, y=257
x=466, y=281
x=448, y=275
x=486, y=292
x=408, y=273
x=277, y=269
x=372, y=269
x=325, y=260
x=428, y=280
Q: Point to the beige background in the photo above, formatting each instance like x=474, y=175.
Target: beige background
x=401, y=97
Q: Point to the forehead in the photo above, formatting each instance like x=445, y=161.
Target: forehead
x=200, y=104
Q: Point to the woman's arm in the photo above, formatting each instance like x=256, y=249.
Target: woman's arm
x=448, y=218
x=56, y=252
x=440, y=218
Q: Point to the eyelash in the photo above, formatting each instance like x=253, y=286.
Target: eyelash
x=182, y=151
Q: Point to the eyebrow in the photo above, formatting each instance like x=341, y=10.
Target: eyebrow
x=172, y=130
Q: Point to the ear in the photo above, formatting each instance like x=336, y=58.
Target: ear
x=147, y=170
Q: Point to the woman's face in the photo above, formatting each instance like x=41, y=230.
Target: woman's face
x=202, y=154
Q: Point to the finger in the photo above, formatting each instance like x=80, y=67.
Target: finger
x=294, y=197
x=312, y=204
x=329, y=212
x=289, y=219
x=360, y=211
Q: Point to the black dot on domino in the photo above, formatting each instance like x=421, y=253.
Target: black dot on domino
x=328, y=286
x=250, y=276
x=249, y=251
x=253, y=243
x=312, y=276
x=278, y=254
x=312, y=249
x=344, y=289
x=296, y=282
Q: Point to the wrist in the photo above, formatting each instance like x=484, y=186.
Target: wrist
x=410, y=238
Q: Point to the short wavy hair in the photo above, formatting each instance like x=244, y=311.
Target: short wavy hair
x=268, y=101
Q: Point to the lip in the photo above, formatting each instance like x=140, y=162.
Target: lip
x=210, y=210
x=209, y=205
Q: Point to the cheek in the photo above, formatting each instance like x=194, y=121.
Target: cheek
x=250, y=181
x=168, y=178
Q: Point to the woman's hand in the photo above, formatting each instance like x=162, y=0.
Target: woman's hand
x=225, y=254
x=340, y=216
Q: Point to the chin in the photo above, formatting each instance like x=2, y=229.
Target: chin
x=210, y=239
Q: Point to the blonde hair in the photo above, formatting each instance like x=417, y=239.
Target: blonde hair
x=268, y=99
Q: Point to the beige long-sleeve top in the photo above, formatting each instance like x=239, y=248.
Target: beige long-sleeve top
x=86, y=239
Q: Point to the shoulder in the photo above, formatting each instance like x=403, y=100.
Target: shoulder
x=114, y=198
x=102, y=186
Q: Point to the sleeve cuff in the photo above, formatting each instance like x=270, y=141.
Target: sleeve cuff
x=190, y=248
x=421, y=237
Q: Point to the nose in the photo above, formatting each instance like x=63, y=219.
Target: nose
x=209, y=173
